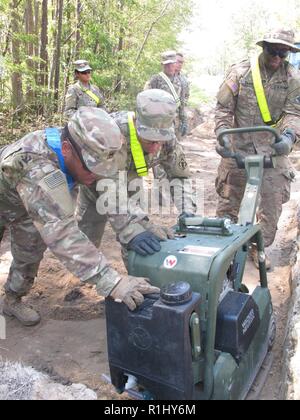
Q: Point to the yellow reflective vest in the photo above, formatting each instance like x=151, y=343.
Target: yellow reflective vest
x=136, y=148
x=260, y=93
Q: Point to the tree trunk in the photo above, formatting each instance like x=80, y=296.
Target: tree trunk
x=54, y=9
x=58, y=50
x=29, y=25
x=44, y=45
x=78, y=34
x=16, y=78
x=118, y=85
x=37, y=42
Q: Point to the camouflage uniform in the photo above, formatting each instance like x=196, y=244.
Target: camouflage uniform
x=237, y=107
x=185, y=86
x=77, y=97
x=171, y=158
x=36, y=205
x=157, y=82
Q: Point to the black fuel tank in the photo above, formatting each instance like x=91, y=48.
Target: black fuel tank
x=153, y=343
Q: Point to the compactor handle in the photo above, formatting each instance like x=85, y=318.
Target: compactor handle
x=242, y=130
x=240, y=160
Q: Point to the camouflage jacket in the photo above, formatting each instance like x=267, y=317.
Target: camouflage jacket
x=185, y=86
x=32, y=185
x=237, y=106
x=171, y=158
x=77, y=97
x=157, y=82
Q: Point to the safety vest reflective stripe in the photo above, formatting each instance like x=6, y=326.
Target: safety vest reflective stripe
x=92, y=95
x=260, y=92
x=136, y=148
x=172, y=88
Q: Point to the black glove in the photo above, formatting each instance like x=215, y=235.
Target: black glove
x=145, y=243
x=183, y=129
x=287, y=140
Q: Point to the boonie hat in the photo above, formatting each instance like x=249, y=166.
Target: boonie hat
x=280, y=36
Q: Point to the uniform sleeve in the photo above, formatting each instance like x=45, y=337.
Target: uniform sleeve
x=291, y=112
x=70, y=103
x=226, y=100
x=49, y=204
x=152, y=83
x=187, y=91
x=182, y=111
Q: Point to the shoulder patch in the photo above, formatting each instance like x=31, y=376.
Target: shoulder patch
x=233, y=86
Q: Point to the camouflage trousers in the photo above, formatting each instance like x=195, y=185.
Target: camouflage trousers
x=27, y=248
x=275, y=191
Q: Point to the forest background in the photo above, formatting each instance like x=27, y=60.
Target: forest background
x=122, y=40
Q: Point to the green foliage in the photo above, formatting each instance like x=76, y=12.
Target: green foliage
x=198, y=97
x=122, y=39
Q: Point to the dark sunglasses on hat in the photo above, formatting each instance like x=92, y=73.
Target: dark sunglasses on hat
x=276, y=52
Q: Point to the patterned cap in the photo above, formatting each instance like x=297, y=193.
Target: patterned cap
x=280, y=36
x=156, y=112
x=98, y=137
x=168, y=57
x=82, y=65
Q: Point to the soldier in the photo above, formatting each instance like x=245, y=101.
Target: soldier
x=148, y=136
x=185, y=84
x=82, y=93
x=168, y=81
x=36, y=175
x=264, y=91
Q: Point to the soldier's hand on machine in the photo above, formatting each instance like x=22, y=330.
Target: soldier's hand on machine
x=130, y=290
x=223, y=147
x=185, y=215
x=145, y=243
x=286, y=143
x=163, y=233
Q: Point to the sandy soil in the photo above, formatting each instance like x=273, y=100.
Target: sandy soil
x=70, y=342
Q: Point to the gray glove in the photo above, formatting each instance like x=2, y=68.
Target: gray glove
x=130, y=290
x=163, y=233
x=224, y=147
x=287, y=140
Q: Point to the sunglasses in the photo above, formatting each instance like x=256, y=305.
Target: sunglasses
x=85, y=72
x=274, y=52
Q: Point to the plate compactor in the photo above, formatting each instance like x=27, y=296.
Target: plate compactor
x=205, y=336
